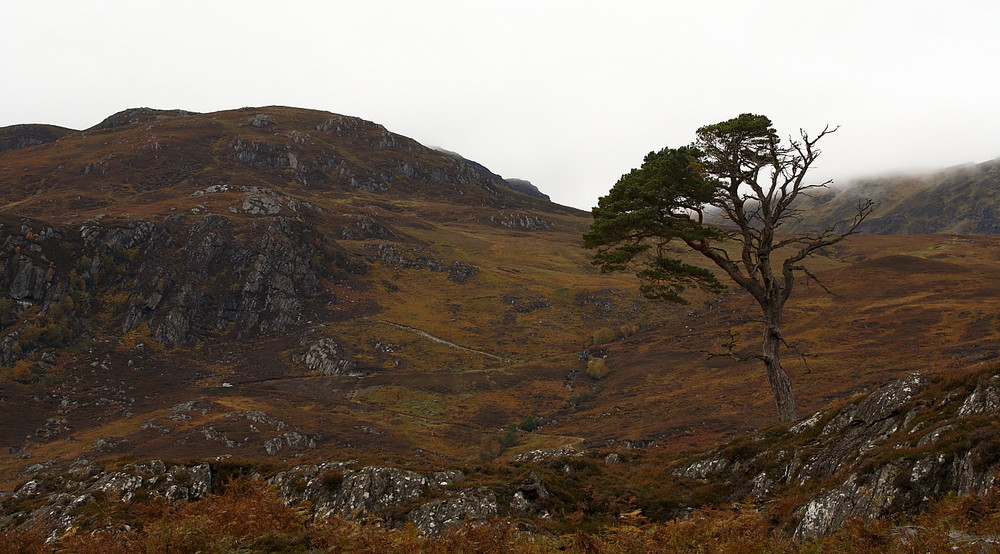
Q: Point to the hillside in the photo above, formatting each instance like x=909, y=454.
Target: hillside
x=960, y=200
x=274, y=286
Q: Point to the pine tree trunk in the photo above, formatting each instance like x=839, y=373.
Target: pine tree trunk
x=781, y=386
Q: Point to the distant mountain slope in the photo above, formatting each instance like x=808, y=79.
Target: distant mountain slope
x=520, y=185
x=142, y=157
x=961, y=200
x=22, y=136
x=287, y=253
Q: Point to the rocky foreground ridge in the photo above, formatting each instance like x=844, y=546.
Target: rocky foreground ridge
x=894, y=451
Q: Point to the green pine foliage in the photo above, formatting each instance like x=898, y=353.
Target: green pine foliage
x=647, y=209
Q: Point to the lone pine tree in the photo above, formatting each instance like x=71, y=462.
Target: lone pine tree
x=740, y=169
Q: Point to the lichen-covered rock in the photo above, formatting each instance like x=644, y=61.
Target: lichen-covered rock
x=123, y=484
x=373, y=489
x=291, y=439
x=439, y=515
x=887, y=401
x=702, y=469
x=983, y=400
x=892, y=452
x=546, y=454
x=531, y=495
x=55, y=502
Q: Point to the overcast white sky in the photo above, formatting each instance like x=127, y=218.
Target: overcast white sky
x=569, y=94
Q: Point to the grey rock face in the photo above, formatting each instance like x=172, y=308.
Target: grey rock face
x=258, y=154
x=329, y=488
x=266, y=276
x=261, y=205
x=291, y=439
x=29, y=281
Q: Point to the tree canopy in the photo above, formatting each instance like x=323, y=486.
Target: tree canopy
x=647, y=209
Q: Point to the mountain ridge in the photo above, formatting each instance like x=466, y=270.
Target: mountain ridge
x=304, y=145
x=957, y=200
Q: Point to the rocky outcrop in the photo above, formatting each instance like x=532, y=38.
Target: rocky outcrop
x=256, y=281
x=521, y=221
x=53, y=503
x=461, y=272
x=400, y=255
x=525, y=301
x=325, y=356
x=894, y=451
x=330, y=488
x=525, y=187
x=185, y=276
x=438, y=515
x=428, y=500
x=29, y=282
x=135, y=116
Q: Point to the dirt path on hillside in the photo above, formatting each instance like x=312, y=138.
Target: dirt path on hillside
x=427, y=335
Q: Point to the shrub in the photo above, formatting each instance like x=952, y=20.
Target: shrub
x=628, y=330
x=597, y=368
x=7, y=311
x=528, y=424
x=579, y=398
x=22, y=372
x=497, y=443
x=29, y=334
x=54, y=334
x=604, y=335
x=332, y=479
